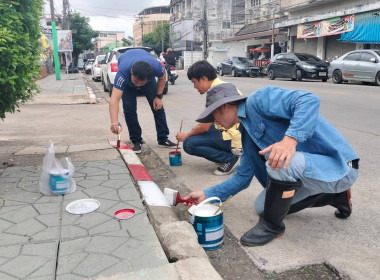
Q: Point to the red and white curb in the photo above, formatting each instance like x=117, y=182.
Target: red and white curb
x=152, y=194
x=91, y=95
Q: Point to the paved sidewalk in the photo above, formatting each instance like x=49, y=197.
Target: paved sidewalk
x=39, y=239
x=71, y=89
x=69, y=84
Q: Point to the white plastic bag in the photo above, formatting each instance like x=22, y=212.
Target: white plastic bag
x=57, y=175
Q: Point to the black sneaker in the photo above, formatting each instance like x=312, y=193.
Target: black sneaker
x=137, y=147
x=167, y=143
x=227, y=167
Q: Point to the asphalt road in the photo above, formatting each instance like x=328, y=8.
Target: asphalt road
x=313, y=235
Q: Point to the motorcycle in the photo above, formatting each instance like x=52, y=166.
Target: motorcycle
x=255, y=71
x=172, y=73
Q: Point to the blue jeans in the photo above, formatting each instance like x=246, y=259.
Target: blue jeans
x=310, y=186
x=130, y=112
x=209, y=145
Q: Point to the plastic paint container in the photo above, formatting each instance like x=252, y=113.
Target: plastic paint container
x=209, y=227
x=59, y=183
x=175, y=158
x=124, y=214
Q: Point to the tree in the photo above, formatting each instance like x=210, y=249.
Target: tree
x=82, y=34
x=159, y=38
x=127, y=41
x=19, y=52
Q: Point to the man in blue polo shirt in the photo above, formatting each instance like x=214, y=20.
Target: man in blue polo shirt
x=137, y=70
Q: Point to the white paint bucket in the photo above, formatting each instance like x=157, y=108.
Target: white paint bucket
x=209, y=227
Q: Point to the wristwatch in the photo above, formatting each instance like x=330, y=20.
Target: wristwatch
x=160, y=95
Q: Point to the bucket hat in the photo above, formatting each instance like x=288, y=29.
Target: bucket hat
x=218, y=96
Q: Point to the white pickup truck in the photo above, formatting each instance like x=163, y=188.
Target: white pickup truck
x=109, y=69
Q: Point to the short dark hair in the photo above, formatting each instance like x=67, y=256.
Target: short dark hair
x=142, y=70
x=200, y=69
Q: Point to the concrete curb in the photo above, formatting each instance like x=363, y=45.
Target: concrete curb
x=91, y=95
x=189, y=269
x=178, y=239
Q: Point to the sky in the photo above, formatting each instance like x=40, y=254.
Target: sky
x=108, y=15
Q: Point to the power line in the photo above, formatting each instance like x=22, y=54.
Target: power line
x=104, y=15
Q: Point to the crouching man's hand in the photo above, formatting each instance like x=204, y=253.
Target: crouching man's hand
x=197, y=197
x=181, y=136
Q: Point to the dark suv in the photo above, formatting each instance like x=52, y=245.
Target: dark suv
x=298, y=66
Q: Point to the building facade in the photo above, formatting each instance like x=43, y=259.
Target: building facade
x=199, y=25
x=148, y=20
x=258, y=29
x=329, y=29
x=105, y=38
x=259, y=37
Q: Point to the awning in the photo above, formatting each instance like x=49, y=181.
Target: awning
x=259, y=50
x=366, y=30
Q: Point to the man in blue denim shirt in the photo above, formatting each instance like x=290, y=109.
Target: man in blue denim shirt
x=299, y=158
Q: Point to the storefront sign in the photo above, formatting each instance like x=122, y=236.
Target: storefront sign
x=326, y=27
x=65, y=42
x=218, y=49
x=47, y=32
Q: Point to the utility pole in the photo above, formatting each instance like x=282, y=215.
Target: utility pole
x=55, y=43
x=141, y=17
x=66, y=14
x=205, y=30
x=272, y=46
x=273, y=5
x=52, y=15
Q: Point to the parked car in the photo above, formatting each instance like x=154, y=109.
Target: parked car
x=96, y=67
x=297, y=66
x=103, y=71
x=238, y=66
x=360, y=65
x=88, y=65
x=112, y=66
x=80, y=63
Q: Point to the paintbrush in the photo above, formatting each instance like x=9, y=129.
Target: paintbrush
x=180, y=129
x=118, y=137
x=173, y=197
x=222, y=205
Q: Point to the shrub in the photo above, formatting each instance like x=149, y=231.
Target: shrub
x=19, y=52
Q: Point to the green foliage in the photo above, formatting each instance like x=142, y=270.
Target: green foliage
x=19, y=52
x=158, y=39
x=82, y=34
x=127, y=41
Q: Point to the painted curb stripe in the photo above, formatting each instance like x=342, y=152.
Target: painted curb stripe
x=139, y=172
x=152, y=194
x=92, y=98
x=130, y=157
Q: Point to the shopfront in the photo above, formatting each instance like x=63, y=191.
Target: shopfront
x=366, y=31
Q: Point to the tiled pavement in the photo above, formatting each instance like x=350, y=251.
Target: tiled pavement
x=40, y=240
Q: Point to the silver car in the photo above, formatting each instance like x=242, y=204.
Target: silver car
x=359, y=65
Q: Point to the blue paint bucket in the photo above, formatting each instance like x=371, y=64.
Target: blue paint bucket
x=175, y=158
x=209, y=227
x=59, y=183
